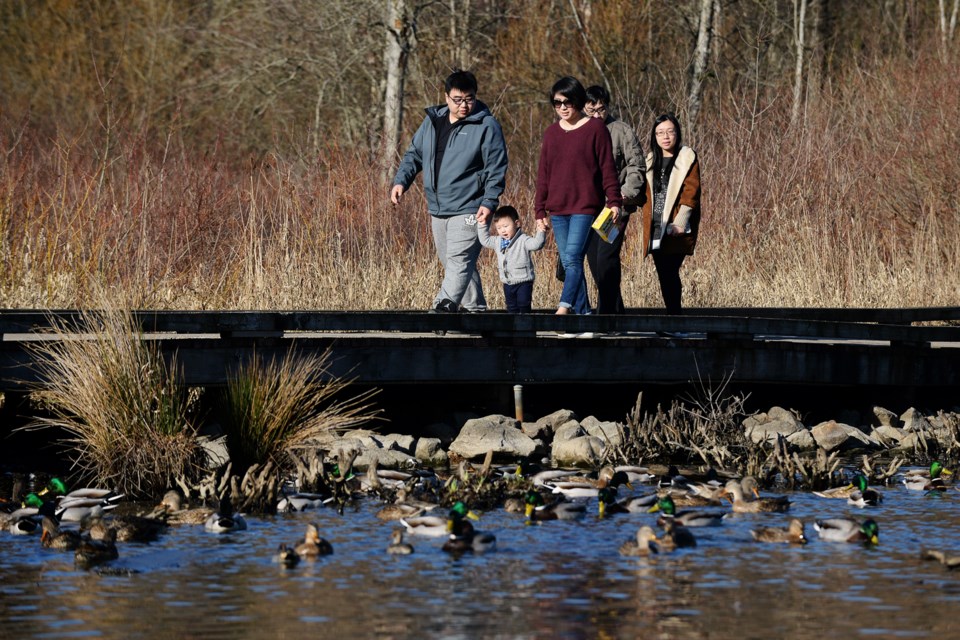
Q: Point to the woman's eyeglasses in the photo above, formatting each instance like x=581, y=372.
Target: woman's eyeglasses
x=560, y=104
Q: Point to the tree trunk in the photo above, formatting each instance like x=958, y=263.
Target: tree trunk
x=399, y=40
x=700, y=58
x=800, y=18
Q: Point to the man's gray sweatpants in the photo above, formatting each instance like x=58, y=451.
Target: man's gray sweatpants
x=458, y=248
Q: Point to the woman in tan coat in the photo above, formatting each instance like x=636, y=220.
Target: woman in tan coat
x=671, y=211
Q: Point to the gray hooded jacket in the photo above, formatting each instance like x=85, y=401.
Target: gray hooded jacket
x=474, y=164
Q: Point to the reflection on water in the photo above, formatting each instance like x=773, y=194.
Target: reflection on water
x=555, y=580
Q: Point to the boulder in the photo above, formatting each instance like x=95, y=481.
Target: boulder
x=802, y=440
x=583, y=451
x=555, y=419
x=836, y=436
x=496, y=433
x=766, y=427
x=386, y=459
x=888, y=435
x=397, y=441
x=609, y=432
x=538, y=430
x=569, y=430
x=430, y=452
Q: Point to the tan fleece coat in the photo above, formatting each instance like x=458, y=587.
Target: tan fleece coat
x=683, y=190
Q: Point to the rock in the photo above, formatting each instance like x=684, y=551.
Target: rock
x=835, y=436
x=802, y=440
x=538, y=430
x=386, y=459
x=555, y=419
x=430, y=452
x=583, y=451
x=885, y=417
x=766, y=427
x=913, y=420
x=568, y=431
x=397, y=441
x=609, y=432
x=496, y=433
x=216, y=450
x=916, y=441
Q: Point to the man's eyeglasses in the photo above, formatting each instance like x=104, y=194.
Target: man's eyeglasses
x=459, y=100
x=560, y=104
x=595, y=111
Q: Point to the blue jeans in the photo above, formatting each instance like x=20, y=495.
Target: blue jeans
x=572, y=233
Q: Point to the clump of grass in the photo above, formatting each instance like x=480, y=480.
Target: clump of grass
x=126, y=414
x=271, y=408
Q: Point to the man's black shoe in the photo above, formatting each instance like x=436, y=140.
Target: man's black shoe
x=447, y=306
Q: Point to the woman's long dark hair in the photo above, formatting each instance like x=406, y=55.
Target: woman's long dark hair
x=657, y=151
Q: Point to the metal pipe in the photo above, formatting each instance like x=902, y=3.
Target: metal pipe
x=518, y=401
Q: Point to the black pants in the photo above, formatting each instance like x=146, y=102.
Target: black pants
x=668, y=272
x=604, y=260
x=519, y=297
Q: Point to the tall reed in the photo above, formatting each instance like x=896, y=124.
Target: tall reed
x=126, y=417
x=271, y=408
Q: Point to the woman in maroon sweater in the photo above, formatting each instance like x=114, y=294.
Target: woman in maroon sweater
x=576, y=178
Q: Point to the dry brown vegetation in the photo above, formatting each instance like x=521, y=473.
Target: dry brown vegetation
x=188, y=158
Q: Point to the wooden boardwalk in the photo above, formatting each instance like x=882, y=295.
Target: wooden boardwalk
x=842, y=347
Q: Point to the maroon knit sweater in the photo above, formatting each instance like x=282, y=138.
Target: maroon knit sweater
x=577, y=173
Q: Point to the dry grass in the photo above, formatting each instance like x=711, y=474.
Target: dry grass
x=273, y=408
x=855, y=204
x=127, y=418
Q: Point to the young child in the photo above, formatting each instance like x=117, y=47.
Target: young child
x=513, y=249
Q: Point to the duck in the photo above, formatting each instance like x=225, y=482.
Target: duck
x=863, y=495
x=286, y=556
x=675, y=536
x=734, y=491
x=644, y=544
x=536, y=508
x=171, y=508
x=293, y=502
x=792, y=534
x=53, y=537
x=74, y=505
x=687, y=518
x=688, y=498
x=128, y=528
x=607, y=503
x=313, y=545
x=91, y=552
x=464, y=538
x=673, y=479
x=948, y=560
x=404, y=507
x=848, y=530
x=24, y=526
x=636, y=474
x=224, y=520
x=437, y=526
x=927, y=480
x=583, y=487
x=58, y=487
x=397, y=546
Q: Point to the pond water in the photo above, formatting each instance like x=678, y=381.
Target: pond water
x=554, y=580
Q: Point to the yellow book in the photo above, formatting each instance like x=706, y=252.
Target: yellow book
x=605, y=226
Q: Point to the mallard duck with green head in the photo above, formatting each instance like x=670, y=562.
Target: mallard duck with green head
x=581, y=487
x=793, y=533
x=927, y=479
x=436, y=526
x=464, y=538
x=537, y=510
x=848, y=530
x=607, y=503
x=669, y=513
x=863, y=495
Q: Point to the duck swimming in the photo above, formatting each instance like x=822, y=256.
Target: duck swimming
x=313, y=545
x=607, y=503
x=644, y=545
x=848, y=530
x=172, y=511
x=55, y=538
x=225, y=520
x=792, y=534
x=436, y=526
x=734, y=490
x=537, y=510
x=687, y=518
x=675, y=536
x=863, y=495
x=464, y=538
x=927, y=480
x=91, y=552
x=397, y=545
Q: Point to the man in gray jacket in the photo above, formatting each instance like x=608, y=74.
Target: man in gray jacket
x=460, y=149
